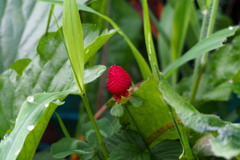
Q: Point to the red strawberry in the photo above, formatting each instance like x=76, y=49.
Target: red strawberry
x=118, y=82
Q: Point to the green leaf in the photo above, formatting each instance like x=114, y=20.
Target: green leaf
x=148, y=38
x=181, y=22
x=163, y=43
x=217, y=81
x=20, y=65
x=152, y=118
x=29, y=126
x=92, y=73
x=117, y=110
x=127, y=144
x=136, y=101
x=19, y=36
x=105, y=127
x=225, y=144
x=128, y=151
x=68, y=146
x=140, y=60
x=212, y=42
x=72, y=30
x=48, y=72
x=167, y=150
x=44, y=155
x=93, y=41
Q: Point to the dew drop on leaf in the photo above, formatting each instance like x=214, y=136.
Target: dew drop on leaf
x=17, y=152
x=46, y=105
x=5, y=136
x=30, y=127
x=30, y=99
x=230, y=28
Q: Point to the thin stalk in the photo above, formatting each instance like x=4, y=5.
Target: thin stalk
x=49, y=18
x=95, y=127
x=87, y=106
x=62, y=125
x=187, y=152
x=144, y=68
x=200, y=64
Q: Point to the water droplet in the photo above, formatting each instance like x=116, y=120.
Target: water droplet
x=204, y=12
x=17, y=152
x=30, y=127
x=5, y=136
x=30, y=99
x=230, y=27
x=46, y=105
x=57, y=102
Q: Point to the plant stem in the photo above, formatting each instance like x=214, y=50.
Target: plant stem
x=49, y=17
x=95, y=127
x=187, y=152
x=144, y=68
x=206, y=31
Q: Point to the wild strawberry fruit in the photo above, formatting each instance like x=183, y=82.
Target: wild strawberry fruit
x=118, y=82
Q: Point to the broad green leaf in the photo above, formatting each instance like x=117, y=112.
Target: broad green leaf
x=212, y=42
x=30, y=125
x=167, y=150
x=148, y=38
x=93, y=40
x=20, y=65
x=134, y=146
x=92, y=73
x=72, y=30
x=22, y=23
x=152, y=118
x=128, y=151
x=136, y=101
x=139, y=58
x=48, y=72
x=225, y=144
x=68, y=146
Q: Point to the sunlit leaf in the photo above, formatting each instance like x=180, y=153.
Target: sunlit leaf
x=225, y=144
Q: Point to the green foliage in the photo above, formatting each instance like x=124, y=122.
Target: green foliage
x=30, y=125
x=212, y=42
x=73, y=36
x=20, y=36
x=117, y=110
x=167, y=150
x=68, y=146
x=224, y=144
x=152, y=119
